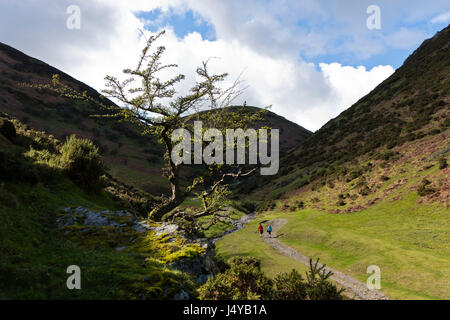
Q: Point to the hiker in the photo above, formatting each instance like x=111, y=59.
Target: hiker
x=261, y=230
x=269, y=231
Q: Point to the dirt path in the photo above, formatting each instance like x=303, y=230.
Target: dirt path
x=354, y=289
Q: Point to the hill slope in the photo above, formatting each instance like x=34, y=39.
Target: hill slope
x=134, y=159
x=372, y=187
x=49, y=221
x=131, y=157
x=411, y=105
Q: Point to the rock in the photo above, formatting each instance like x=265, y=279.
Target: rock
x=182, y=295
x=165, y=229
x=123, y=213
x=141, y=226
x=96, y=219
x=203, y=266
x=80, y=209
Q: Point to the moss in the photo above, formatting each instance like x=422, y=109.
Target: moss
x=34, y=253
x=166, y=248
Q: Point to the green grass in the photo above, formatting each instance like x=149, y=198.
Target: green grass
x=191, y=202
x=34, y=256
x=135, y=176
x=219, y=228
x=246, y=242
x=408, y=241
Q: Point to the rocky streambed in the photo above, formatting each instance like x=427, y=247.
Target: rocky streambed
x=237, y=225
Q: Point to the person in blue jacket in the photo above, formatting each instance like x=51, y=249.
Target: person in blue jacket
x=269, y=230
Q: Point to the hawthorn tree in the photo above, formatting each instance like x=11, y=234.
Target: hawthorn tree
x=155, y=106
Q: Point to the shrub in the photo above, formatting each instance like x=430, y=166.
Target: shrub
x=364, y=191
x=47, y=162
x=243, y=280
x=318, y=287
x=266, y=206
x=384, y=178
x=7, y=129
x=387, y=155
x=424, y=188
x=81, y=161
x=300, y=204
x=354, y=174
x=249, y=206
x=289, y=286
x=354, y=197
x=315, y=200
x=442, y=162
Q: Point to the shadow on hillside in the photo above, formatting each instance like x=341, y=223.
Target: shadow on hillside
x=278, y=235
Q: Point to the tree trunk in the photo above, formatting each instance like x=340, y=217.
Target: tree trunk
x=177, y=196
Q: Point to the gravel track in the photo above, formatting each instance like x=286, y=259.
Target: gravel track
x=354, y=289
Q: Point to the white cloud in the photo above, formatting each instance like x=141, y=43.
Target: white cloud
x=296, y=90
x=442, y=18
x=263, y=41
x=349, y=84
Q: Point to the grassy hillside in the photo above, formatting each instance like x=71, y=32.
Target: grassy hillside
x=291, y=135
x=372, y=185
x=132, y=158
x=410, y=105
x=403, y=233
x=35, y=187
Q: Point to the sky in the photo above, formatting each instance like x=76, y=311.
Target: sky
x=309, y=59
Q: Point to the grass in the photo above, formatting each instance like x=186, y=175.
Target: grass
x=219, y=228
x=407, y=240
x=34, y=256
x=191, y=202
x=392, y=227
x=246, y=242
x=150, y=180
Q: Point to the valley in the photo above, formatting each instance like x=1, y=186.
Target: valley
x=369, y=188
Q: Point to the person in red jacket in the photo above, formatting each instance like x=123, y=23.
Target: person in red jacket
x=261, y=230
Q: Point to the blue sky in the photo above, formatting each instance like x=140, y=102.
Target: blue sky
x=182, y=23
x=187, y=21
x=321, y=42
